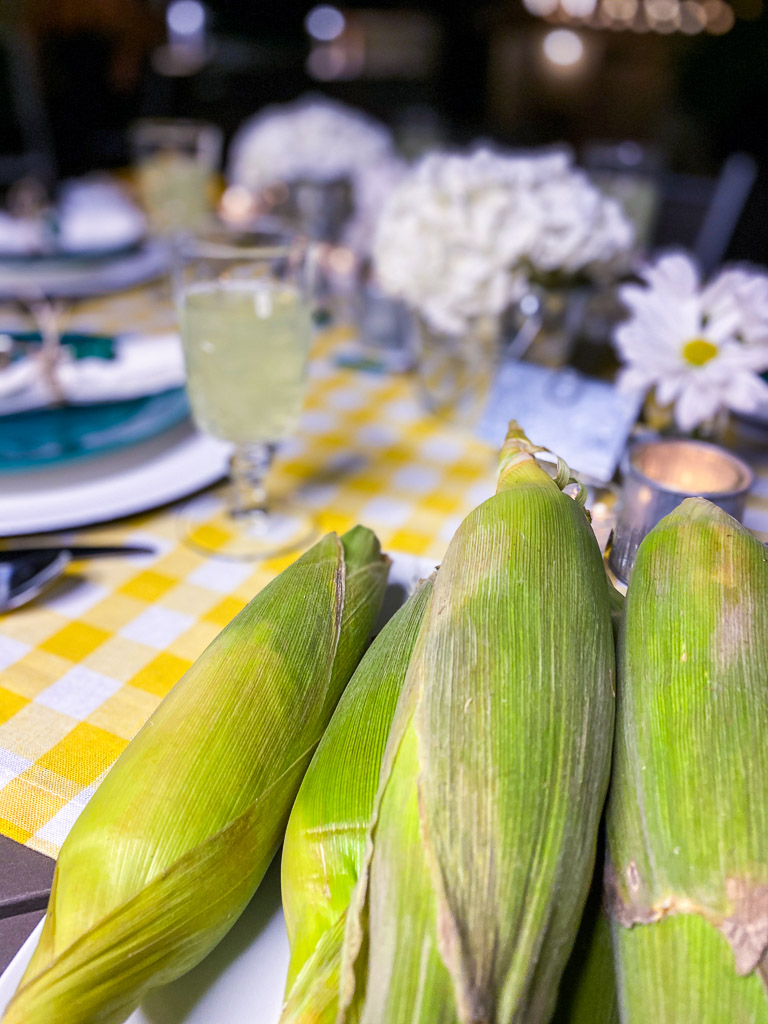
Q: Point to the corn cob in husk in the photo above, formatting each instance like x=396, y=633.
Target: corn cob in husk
x=688, y=809
x=325, y=839
x=483, y=839
x=587, y=993
x=174, y=842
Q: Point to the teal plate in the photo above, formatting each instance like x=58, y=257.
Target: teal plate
x=45, y=436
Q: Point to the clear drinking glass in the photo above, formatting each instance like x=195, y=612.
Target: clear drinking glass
x=245, y=313
x=175, y=162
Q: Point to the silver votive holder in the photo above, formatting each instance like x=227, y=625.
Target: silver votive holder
x=657, y=476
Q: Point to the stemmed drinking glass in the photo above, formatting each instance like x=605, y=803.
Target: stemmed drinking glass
x=175, y=164
x=245, y=315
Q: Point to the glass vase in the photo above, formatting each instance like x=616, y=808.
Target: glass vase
x=321, y=209
x=717, y=429
x=455, y=371
x=549, y=320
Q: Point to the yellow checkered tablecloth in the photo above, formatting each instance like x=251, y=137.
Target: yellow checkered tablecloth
x=83, y=668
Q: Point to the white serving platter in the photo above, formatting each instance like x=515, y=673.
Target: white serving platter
x=242, y=980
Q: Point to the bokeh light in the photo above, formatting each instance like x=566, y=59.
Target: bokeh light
x=692, y=17
x=185, y=17
x=563, y=47
x=541, y=8
x=621, y=10
x=579, y=8
x=662, y=16
x=324, y=23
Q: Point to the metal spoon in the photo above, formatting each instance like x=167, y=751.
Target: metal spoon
x=25, y=572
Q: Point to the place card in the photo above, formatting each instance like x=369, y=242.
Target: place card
x=585, y=421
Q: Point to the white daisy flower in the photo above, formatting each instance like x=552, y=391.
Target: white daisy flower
x=700, y=348
x=746, y=292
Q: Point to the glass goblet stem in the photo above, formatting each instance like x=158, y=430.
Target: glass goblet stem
x=248, y=466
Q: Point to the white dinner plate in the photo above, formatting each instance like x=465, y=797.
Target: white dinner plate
x=167, y=467
x=71, y=278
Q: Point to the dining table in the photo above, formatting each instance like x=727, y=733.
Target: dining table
x=84, y=665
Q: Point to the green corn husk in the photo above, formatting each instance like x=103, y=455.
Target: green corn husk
x=176, y=839
x=688, y=809
x=325, y=840
x=482, y=844
x=587, y=992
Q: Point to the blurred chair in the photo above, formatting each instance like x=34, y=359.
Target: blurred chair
x=629, y=172
x=701, y=214
x=27, y=143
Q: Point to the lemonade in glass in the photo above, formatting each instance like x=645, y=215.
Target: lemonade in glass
x=245, y=317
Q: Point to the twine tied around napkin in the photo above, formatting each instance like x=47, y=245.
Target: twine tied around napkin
x=93, y=369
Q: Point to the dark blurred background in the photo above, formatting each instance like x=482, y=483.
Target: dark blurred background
x=685, y=82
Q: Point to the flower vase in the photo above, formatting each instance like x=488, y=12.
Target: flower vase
x=455, y=371
x=386, y=327
x=550, y=320
x=321, y=208
x=716, y=429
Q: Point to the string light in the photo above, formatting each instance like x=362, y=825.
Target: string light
x=692, y=17
x=620, y=10
x=542, y=8
x=640, y=22
x=579, y=8
x=720, y=17
x=662, y=16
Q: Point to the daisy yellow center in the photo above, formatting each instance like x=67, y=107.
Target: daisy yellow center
x=699, y=351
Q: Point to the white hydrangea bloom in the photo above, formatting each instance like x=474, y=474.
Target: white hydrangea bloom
x=372, y=188
x=461, y=234
x=701, y=348
x=320, y=140
x=579, y=226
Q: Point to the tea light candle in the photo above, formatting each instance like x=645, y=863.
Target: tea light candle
x=661, y=474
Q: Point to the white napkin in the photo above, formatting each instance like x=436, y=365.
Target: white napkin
x=143, y=365
x=20, y=235
x=95, y=215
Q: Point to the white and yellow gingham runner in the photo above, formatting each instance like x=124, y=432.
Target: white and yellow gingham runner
x=82, y=669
